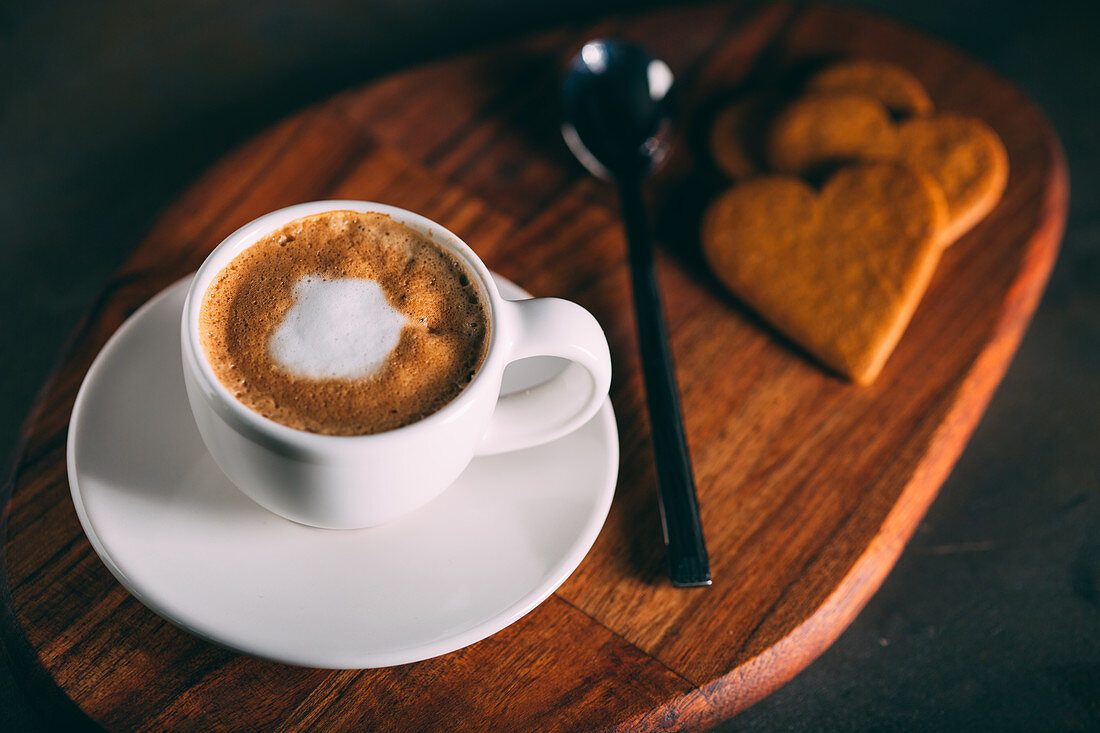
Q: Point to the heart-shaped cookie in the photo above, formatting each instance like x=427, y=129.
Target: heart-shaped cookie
x=897, y=89
x=839, y=272
x=739, y=131
x=962, y=154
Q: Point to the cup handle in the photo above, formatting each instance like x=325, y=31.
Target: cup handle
x=545, y=412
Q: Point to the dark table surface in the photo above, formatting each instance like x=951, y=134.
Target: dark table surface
x=991, y=619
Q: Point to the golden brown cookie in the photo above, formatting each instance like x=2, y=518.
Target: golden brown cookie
x=897, y=89
x=739, y=131
x=737, y=135
x=823, y=130
x=839, y=272
x=965, y=157
x=962, y=154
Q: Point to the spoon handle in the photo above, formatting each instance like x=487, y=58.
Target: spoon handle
x=687, y=551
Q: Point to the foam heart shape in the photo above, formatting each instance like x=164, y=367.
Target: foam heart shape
x=962, y=154
x=840, y=272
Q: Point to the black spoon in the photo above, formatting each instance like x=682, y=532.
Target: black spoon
x=618, y=118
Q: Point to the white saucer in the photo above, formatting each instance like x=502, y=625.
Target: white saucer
x=196, y=551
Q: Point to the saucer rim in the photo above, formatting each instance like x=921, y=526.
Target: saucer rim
x=565, y=566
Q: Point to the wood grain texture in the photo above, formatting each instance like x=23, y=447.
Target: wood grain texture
x=809, y=486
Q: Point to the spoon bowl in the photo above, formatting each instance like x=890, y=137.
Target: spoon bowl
x=617, y=103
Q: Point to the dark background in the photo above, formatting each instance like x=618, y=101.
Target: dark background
x=991, y=619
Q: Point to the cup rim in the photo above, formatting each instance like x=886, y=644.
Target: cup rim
x=219, y=396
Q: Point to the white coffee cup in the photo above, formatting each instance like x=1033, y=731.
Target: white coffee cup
x=344, y=482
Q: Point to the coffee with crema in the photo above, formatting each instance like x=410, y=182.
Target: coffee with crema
x=344, y=323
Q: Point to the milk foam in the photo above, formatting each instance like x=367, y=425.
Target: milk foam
x=341, y=328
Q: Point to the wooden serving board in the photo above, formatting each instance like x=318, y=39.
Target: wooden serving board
x=809, y=486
